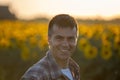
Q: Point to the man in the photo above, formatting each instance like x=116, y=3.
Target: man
x=57, y=64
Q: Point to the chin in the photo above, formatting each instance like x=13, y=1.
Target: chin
x=65, y=57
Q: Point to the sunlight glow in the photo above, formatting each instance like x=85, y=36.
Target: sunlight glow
x=79, y=8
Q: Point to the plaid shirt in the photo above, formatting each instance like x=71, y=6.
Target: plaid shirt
x=48, y=69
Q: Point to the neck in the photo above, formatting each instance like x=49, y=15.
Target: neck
x=62, y=63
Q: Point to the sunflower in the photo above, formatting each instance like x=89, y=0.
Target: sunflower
x=19, y=35
x=42, y=43
x=89, y=33
x=106, y=54
x=25, y=55
x=105, y=37
x=90, y=52
x=33, y=41
x=4, y=42
x=107, y=44
x=83, y=43
x=117, y=45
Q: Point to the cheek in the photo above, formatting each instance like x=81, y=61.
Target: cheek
x=73, y=46
x=55, y=43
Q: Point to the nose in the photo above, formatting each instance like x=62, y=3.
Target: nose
x=65, y=43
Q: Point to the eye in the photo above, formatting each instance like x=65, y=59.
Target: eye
x=59, y=38
x=72, y=39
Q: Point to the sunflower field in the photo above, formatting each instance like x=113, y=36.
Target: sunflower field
x=23, y=43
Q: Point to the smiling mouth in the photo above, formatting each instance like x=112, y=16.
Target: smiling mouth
x=66, y=51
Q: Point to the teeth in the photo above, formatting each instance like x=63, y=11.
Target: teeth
x=65, y=51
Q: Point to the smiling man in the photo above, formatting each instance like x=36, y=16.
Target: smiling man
x=58, y=64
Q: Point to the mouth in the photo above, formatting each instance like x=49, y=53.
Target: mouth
x=66, y=52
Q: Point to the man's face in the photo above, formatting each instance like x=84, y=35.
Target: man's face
x=62, y=42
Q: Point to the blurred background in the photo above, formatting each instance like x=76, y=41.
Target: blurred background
x=23, y=35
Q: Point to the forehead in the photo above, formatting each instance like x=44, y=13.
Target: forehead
x=56, y=27
x=65, y=31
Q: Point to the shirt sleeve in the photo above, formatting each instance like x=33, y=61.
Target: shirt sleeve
x=34, y=74
x=29, y=78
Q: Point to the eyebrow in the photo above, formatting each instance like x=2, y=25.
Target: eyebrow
x=58, y=36
x=63, y=36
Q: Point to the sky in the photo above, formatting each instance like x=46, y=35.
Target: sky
x=28, y=9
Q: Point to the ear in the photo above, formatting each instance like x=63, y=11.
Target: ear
x=49, y=39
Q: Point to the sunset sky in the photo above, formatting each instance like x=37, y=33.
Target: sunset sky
x=28, y=9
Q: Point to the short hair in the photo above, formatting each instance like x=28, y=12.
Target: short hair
x=62, y=20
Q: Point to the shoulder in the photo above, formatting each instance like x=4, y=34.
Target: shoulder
x=73, y=64
x=37, y=71
x=75, y=69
